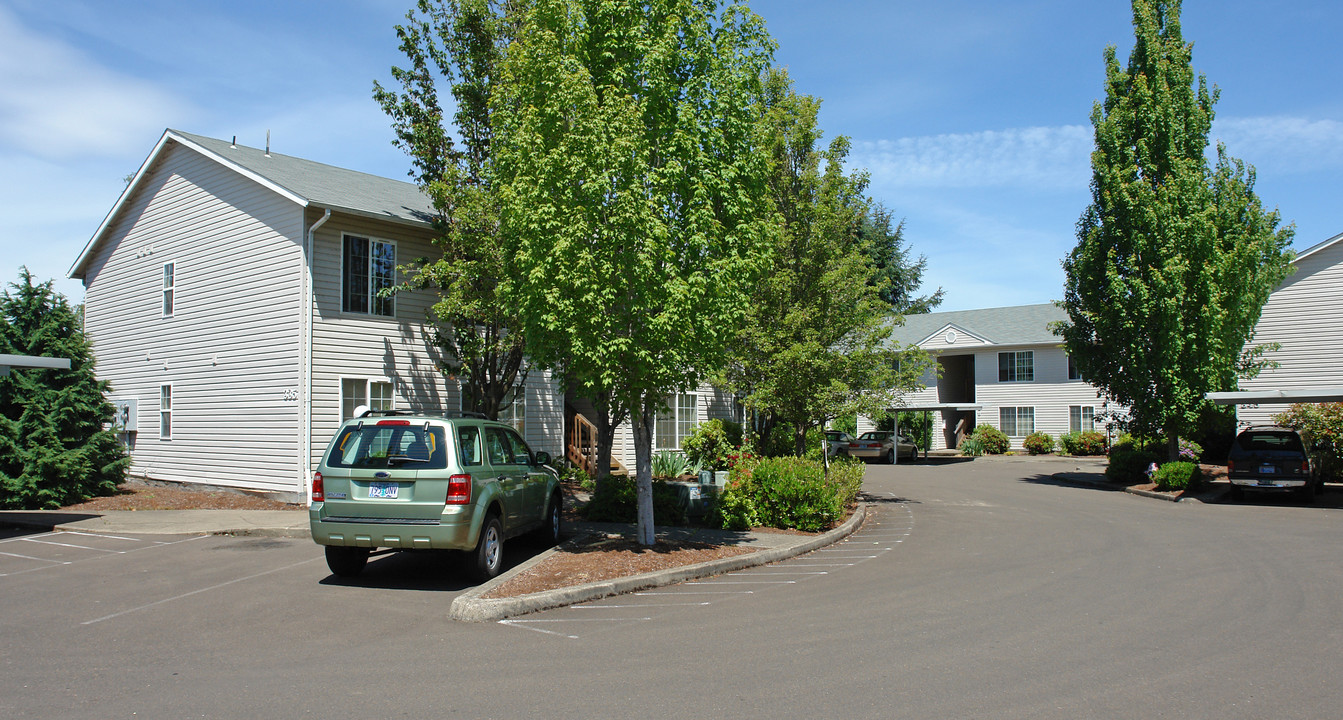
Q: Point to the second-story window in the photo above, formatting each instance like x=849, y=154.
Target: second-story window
x=367, y=268
x=168, y=281
x=1016, y=366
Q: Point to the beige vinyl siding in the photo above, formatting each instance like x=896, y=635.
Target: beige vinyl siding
x=231, y=349
x=1304, y=315
x=400, y=348
x=1051, y=393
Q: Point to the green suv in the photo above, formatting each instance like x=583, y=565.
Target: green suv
x=393, y=479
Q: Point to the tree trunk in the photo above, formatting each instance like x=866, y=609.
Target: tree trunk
x=1172, y=444
x=641, y=418
x=800, y=441
x=606, y=436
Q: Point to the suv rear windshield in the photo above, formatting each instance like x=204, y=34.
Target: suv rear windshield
x=1260, y=441
x=390, y=446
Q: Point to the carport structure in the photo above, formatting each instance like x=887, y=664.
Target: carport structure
x=930, y=408
x=1278, y=397
x=30, y=361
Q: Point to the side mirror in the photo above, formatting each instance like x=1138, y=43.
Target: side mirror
x=542, y=457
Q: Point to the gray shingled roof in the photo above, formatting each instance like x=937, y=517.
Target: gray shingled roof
x=1019, y=325
x=326, y=186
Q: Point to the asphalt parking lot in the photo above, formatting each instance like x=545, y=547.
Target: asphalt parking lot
x=980, y=589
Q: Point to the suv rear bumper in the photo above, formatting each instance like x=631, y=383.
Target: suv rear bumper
x=450, y=532
x=1268, y=483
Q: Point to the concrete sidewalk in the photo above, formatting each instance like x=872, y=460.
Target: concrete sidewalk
x=265, y=523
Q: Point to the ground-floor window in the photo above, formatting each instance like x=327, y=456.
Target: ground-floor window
x=165, y=412
x=374, y=394
x=1081, y=418
x=1016, y=421
x=675, y=424
x=512, y=408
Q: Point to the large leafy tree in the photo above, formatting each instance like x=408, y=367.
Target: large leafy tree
x=634, y=197
x=815, y=344
x=53, y=447
x=899, y=274
x=460, y=44
x=1175, y=258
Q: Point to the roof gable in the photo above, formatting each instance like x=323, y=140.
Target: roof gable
x=952, y=335
x=303, y=182
x=1017, y=325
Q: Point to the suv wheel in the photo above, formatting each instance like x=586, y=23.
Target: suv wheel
x=346, y=562
x=1308, y=491
x=488, y=556
x=549, y=533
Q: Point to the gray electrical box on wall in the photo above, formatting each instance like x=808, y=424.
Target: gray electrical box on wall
x=125, y=418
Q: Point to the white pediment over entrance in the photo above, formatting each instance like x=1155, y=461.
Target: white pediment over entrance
x=951, y=337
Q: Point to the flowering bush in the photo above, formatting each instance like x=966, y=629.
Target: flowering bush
x=991, y=439
x=1190, y=451
x=1039, y=443
x=1088, y=442
x=1321, y=424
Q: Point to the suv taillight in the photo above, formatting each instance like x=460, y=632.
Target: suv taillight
x=459, y=490
x=1305, y=467
x=318, y=493
x=1230, y=466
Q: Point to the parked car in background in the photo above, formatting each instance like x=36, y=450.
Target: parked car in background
x=1271, y=459
x=883, y=445
x=393, y=479
x=837, y=443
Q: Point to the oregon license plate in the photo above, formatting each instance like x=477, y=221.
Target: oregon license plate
x=383, y=489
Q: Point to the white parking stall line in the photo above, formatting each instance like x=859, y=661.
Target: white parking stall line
x=77, y=547
x=638, y=605
x=780, y=572
x=744, y=582
x=104, y=535
x=696, y=592
x=527, y=624
x=807, y=564
x=197, y=592
x=38, y=559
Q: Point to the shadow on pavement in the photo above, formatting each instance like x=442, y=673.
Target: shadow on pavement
x=40, y=521
x=430, y=570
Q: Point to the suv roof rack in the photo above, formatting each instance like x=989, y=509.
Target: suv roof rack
x=465, y=414
x=386, y=413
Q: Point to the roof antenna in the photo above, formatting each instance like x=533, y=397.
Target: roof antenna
x=234, y=144
x=268, y=143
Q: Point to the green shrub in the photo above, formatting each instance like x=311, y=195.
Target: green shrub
x=1088, y=442
x=711, y=443
x=788, y=492
x=618, y=501
x=1038, y=443
x=991, y=439
x=671, y=464
x=1177, y=476
x=918, y=426
x=1321, y=426
x=972, y=447
x=1130, y=458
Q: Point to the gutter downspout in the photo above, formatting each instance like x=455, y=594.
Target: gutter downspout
x=310, y=300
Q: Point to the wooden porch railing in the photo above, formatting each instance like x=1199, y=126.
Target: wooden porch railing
x=582, y=450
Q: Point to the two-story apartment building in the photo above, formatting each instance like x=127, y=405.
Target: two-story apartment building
x=232, y=297
x=1001, y=366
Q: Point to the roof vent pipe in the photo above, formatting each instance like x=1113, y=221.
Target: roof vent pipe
x=268, y=143
x=234, y=145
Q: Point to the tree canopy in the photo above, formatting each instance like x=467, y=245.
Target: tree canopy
x=634, y=200
x=1175, y=258
x=53, y=448
x=460, y=43
x=815, y=343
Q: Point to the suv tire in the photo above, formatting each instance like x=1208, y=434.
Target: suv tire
x=549, y=532
x=346, y=562
x=488, y=557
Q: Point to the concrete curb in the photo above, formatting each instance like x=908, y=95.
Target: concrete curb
x=1076, y=478
x=470, y=607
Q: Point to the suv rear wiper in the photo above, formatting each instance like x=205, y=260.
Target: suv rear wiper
x=405, y=459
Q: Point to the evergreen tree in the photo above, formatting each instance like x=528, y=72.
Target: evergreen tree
x=897, y=274
x=53, y=448
x=1175, y=259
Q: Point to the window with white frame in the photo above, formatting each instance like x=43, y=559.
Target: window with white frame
x=1016, y=366
x=367, y=268
x=376, y=394
x=165, y=412
x=675, y=424
x=1016, y=421
x=1081, y=418
x=512, y=408
x=168, y=282
x=1072, y=370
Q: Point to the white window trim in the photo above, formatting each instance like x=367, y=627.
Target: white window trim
x=675, y=408
x=519, y=389
x=1080, y=421
x=368, y=381
x=168, y=297
x=166, y=412
x=396, y=251
x=1016, y=421
x=1016, y=364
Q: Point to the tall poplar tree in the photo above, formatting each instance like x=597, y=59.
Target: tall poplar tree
x=634, y=204
x=1175, y=258
x=54, y=449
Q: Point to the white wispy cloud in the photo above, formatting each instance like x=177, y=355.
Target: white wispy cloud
x=1049, y=157
x=57, y=102
x=1283, y=144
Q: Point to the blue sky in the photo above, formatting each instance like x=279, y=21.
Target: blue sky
x=972, y=116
